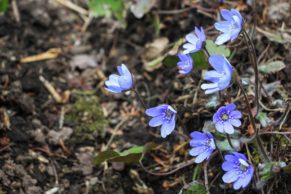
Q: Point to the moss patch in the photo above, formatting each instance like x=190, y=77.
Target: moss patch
x=86, y=114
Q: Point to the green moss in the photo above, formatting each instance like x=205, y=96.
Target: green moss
x=86, y=114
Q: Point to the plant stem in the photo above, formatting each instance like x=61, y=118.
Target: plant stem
x=140, y=98
x=261, y=149
x=254, y=61
x=229, y=141
x=206, y=177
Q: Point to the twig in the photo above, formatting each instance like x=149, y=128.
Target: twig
x=285, y=115
x=178, y=167
x=175, y=11
x=74, y=7
x=16, y=11
x=57, y=97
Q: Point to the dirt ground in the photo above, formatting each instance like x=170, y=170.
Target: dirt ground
x=56, y=116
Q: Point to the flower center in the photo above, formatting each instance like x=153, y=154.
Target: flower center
x=243, y=167
x=224, y=117
x=167, y=115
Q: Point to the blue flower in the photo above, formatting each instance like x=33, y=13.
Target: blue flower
x=195, y=41
x=238, y=170
x=226, y=117
x=220, y=77
x=203, y=145
x=230, y=28
x=185, y=64
x=162, y=115
x=120, y=83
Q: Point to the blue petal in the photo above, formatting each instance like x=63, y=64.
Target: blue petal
x=235, y=122
x=197, y=150
x=230, y=107
x=125, y=71
x=203, y=156
x=223, y=26
x=236, y=13
x=235, y=114
x=219, y=127
x=155, y=111
x=212, y=76
x=156, y=121
x=228, y=128
x=189, y=48
x=197, y=143
x=191, y=38
x=230, y=176
x=114, y=89
x=198, y=136
x=125, y=82
x=228, y=166
x=241, y=156
x=217, y=61
x=226, y=14
x=209, y=86
x=167, y=128
x=223, y=38
x=215, y=117
x=230, y=158
x=113, y=80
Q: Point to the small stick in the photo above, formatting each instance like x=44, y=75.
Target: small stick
x=16, y=11
x=57, y=97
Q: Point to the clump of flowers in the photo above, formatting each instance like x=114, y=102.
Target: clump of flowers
x=230, y=28
x=185, y=64
x=121, y=82
x=238, y=170
x=163, y=115
x=202, y=145
x=220, y=77
x=226, y=117
x=194, y=41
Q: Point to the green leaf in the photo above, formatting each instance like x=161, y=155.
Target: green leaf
x=199, y=60
x=104, y=156
x=224, y=145
x=108, y=8
x=263, y=118
x=195, y=188
x=212, y=48
x=132, y=155
x=141, y=7
x=4, y=4
x=276, y=37
x=171, y=61
x=271, y=67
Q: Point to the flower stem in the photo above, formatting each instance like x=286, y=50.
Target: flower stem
x=140, y=98
x=206, y=183
x=259, y=142
x=229, y=141
x=254, y=61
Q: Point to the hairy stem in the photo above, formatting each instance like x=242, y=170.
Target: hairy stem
x=140, y=98
x=259, y=142
x=254, y=61
x=206, y=183
x=229, y=141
